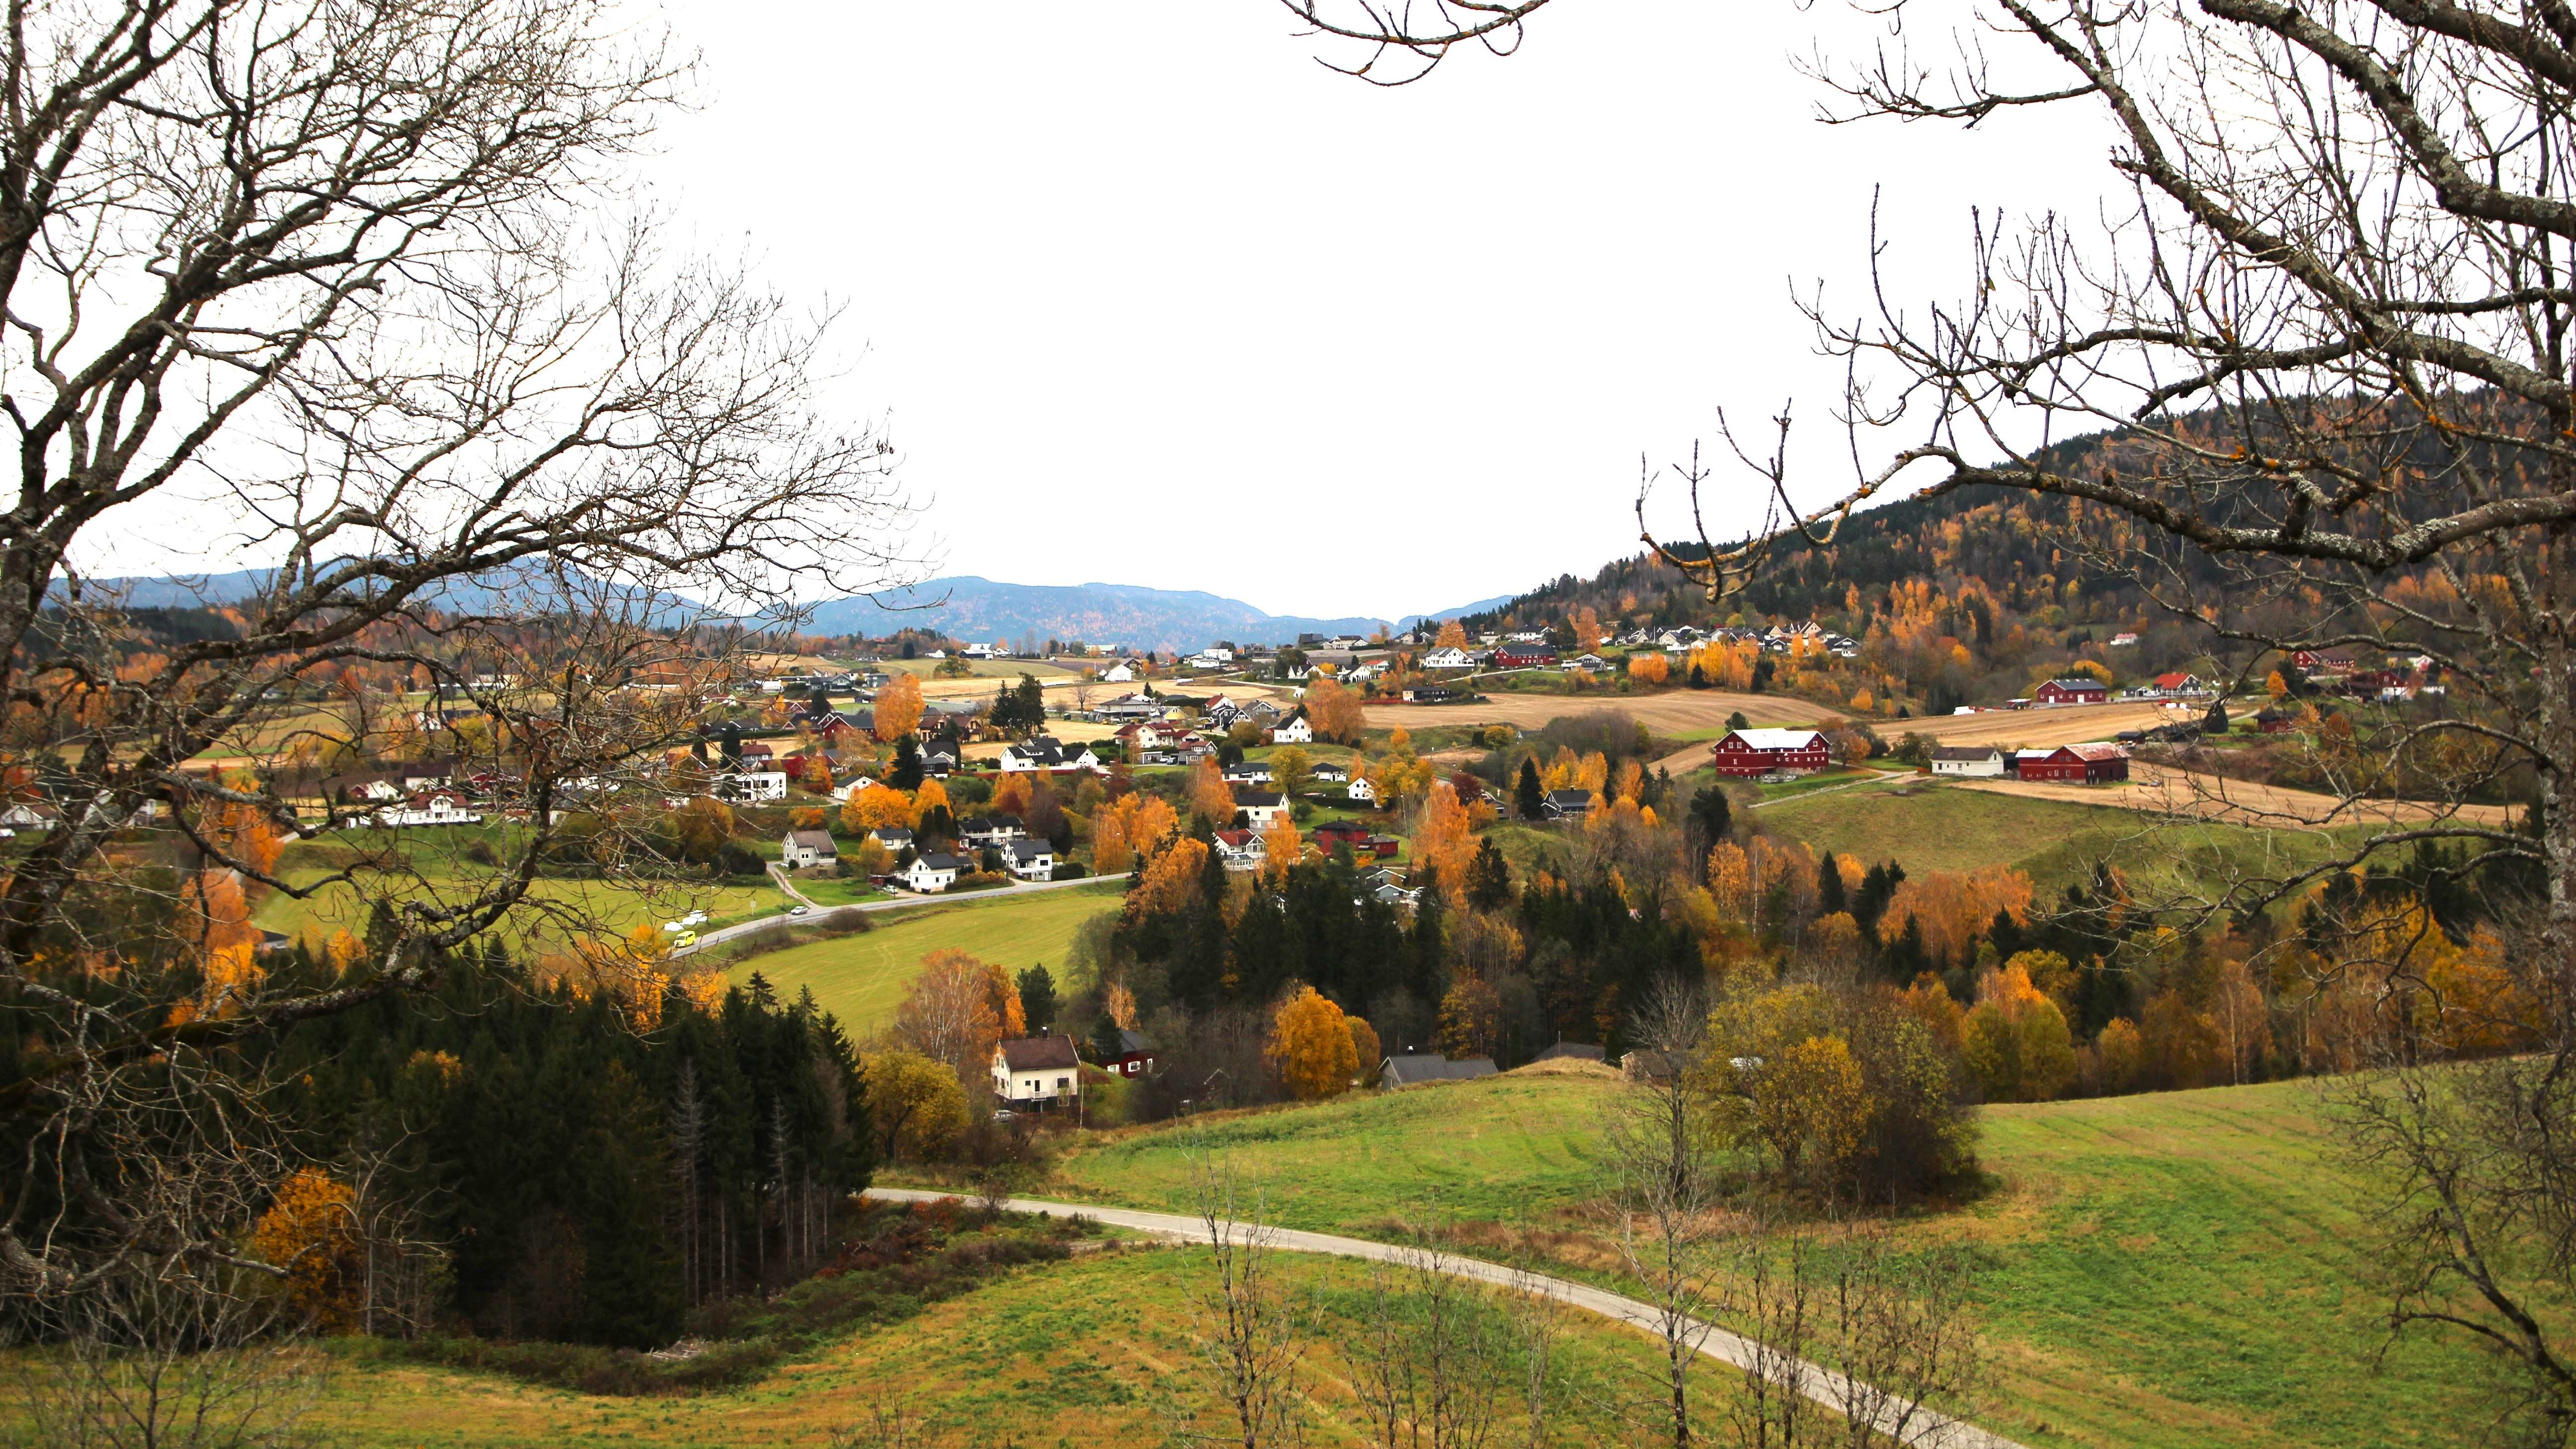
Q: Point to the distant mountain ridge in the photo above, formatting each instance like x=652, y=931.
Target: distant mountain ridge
x=979, y=609
x=963, y=606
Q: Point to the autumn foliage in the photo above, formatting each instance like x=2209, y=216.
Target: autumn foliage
x=1312, y=1046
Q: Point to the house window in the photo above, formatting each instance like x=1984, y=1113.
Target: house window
x=1062, y=1082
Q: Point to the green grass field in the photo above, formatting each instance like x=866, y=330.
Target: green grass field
x=572, y=906
x=2179, y=1269
x=861, y=978
x=2055, y=842
x=1075, y=1354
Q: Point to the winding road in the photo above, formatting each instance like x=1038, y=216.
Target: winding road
x=1908, y=1423
x=816, y=915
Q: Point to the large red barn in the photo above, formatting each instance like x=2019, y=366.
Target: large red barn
x=2072, y=691
x=2077, y=765
x=1747, y=753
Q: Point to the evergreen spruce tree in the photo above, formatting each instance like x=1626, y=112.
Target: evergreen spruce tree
x=1489, y=878
x=907, y=772
x=1530, y=796
x=1037, y=997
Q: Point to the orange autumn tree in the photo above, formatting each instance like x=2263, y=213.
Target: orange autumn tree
x=931, y=796
x=310, y=1230
x=1446, y=840
x=1011, y=797
x=898, y=708
x=1335, y=712
x=875, y=807
x=1172, y=880
x=948, y=1015
x=1210, y=796
x=1281, y=848
x=1956, y=908
x=1453, y=635
x=1312, y=1046
x=1649, y=668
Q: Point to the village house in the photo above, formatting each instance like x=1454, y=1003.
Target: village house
x=1135, y=1056
x=1029, y=859
x=931, y=873
x=1241, y=850
x=1249, y=772
x=893, y=837
x=1260, y=806
x=430, y=807
x=1362, y=789
x=2275, y=722
x=1294, y=730
x=1448, y=658
x=805, y=849
x=1524, y=656
x=2072, y=691
x=1748, y=753
x=1033, y=1074
x=753, y=787
x=1970, y=761
x=1328, y=771
x=1432, y=694
x=991, y=830
x=1568, y=804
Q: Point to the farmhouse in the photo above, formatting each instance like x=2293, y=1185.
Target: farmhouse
x=1524, y=656
x=1450, y=658
x=2076, y=764
x=994, y=830
x=1751, y=752
x=1249, y=772
x=1037, y=1072
x=1568, y=804
x=805, y=848
x=1240, y=849
x=934, y=872
x=1969, y=760
x=1294, y=730
x=2072, y=691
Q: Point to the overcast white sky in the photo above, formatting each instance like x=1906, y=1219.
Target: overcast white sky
x=1149, y=296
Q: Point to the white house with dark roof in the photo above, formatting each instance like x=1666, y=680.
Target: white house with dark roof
x=932, y=873
x=1260, y=806
x=1035, y=1073
x=803, y=849
x=1294, y=730
x=1029, y=859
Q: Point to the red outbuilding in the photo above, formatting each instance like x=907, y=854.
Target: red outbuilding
x=1747, y=753
x=2076, y=764
x=1524, y=656
x=2072, y=691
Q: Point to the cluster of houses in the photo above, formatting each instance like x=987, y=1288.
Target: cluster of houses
x=2087, y=764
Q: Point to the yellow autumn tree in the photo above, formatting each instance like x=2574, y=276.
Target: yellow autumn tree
x=931, y=796
x=1281, y=848
x=310, y=1230
x=1446, y=840
x=1011, y=797
x=947, y=1013
x=1210, y=796
x=898, y=708
x=875, y=807
x=2016, y=1043
x=1335, y=712
x=1172, y=880
x=1649, y=668
x=1453, y=635
x=1311, y=1046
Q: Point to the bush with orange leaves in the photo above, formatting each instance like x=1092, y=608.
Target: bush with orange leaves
x=311, y=1231
x=1312, y=1046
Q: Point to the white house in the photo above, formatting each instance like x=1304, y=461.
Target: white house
x=1326, y=770
x=1250, y=772
x=802, y=849
x=1118, y=674
x=437, y=807
x=929, y=873
x=754, y=786
x=1294, y=730
x=1361, y=789
x=1448, y=659
x=1240, y=849
x=1983, y=761
x=1029, y=859
x=1260, y=806
x=1037, y=1072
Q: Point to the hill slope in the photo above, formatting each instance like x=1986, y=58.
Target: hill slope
x=967, y=607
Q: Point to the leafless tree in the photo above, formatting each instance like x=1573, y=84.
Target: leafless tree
x=1663, y=1196
x=2321, y=327
x=1250, y=1352
x=1434, y=1355
x=160, y=1356
x=351, y=291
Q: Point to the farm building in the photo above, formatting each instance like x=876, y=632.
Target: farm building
x=1750, y=752
x=1968, y=760
x=2072, y=691
x=2076, y=764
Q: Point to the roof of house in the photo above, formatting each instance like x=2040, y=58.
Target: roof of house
x=1133, y=1043
x=1569, y=797
x=816, y=840
x=1425, y=1067
x=1040, y=1054
x=1236, y=838
x=1778, y=739
x=2096, y=752
x=1965, y=752
x=891, y=834
x=1579, y=1051
x=1259, y=799
x=2168, y=681
x=936, y=861
x=1025, y=851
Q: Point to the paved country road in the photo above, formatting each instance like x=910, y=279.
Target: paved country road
x=819, y=914
x=1921, y=1427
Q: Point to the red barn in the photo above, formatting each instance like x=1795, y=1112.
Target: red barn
x=2072, y=691
x=1524, y=656
x=2077, y=764
x=1746, y=753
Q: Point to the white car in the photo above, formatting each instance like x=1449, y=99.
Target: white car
x=799, y=910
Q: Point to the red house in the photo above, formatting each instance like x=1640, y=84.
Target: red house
x=1747, y=753
x=2077, y=764
x=2072, y=691
x=1524, y=656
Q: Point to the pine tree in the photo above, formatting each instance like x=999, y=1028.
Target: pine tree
x=1529, y=796
x=1489, y=878
x=907, y=771
x=1037, y=997
x=1829, y=885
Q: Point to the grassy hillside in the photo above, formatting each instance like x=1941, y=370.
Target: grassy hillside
x=2055, y=842
x=1085, y=1352
x=861, y=978
x=2182, y=1269
x=604, y=906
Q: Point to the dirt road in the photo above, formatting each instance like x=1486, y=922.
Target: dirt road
x=1897, y=1418
x=2157, y=790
